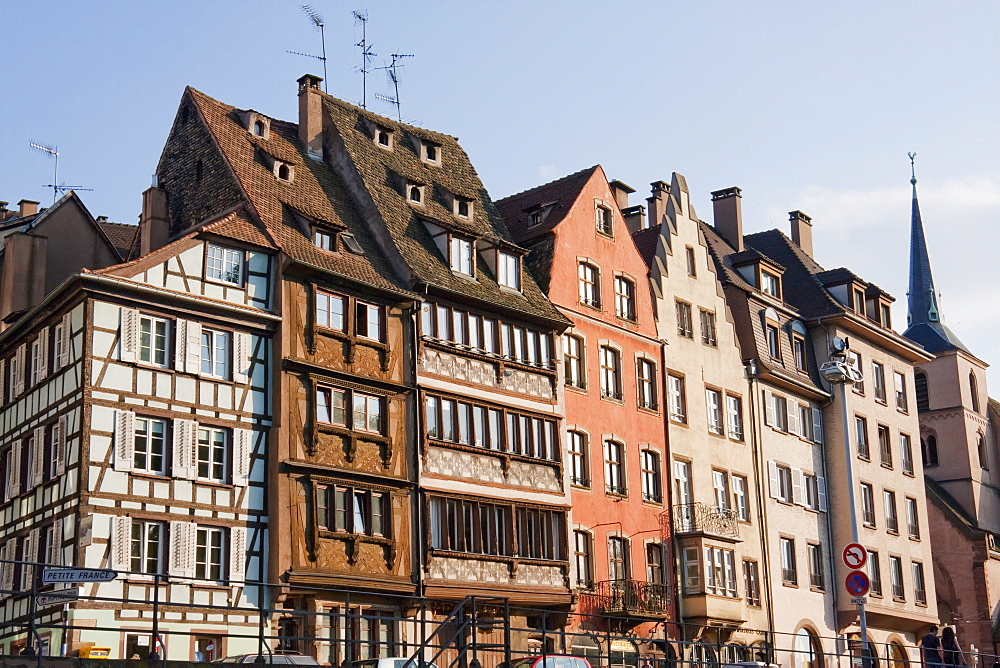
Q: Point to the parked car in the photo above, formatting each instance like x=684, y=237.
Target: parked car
x=279, y=657
x=547, y=661
x=391, y=662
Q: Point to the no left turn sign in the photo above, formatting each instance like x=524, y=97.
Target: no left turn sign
x=855, y=556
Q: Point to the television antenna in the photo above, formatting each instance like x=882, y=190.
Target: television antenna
x=317, y=21
x=393, y=75
x=366, y=55
x=51, y=151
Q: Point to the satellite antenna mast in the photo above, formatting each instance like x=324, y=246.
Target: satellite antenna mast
x=53, y=152
x=317, y=21
x=366, y=55
x=394, y=79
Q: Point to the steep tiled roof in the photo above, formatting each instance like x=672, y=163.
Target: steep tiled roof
x=800, y=280
x=541, y=251
x=383, y=174
x=316, y=192
x=121, y=236
x=559, y=195
x=646, y=241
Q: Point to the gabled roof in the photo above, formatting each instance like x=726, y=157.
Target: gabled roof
x=29, y=223
x=646, y=241
x=556, y=196
x=121, y=236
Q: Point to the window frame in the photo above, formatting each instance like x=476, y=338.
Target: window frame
x=770, y=283
x=868, y=505
x=709, y=333
x=646, y=385
x=589, y=284
x=899, y=384
x=329, y=321
x=462, y=255
x=651, y=475
x=224, y=260
x=327, y=396
x=734, y=417
x=579, y=457
x=380, y=320
x=610, y=359
x=213, y=566
x=144, y=452
x=575, y=361
x=789, y=563
x=604, y=220
x=218, y=455
x=615, y=471
x=677, y=401
x=509, y=270
x=159, y=560
x=625, y=298
x=153, y=320
x=685, y=326
x=217, y=368
x=583, y=558
x=714, y=411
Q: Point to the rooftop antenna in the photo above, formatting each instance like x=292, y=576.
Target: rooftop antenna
x=366, y=55
x=394, y=79
x=317, y=21
x=51, y=151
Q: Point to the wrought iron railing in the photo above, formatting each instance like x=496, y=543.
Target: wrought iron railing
x=703, y=518
x=631, y=596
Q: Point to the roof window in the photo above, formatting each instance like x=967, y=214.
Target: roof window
x=463, y=207
x=284, y=171
x=430, y=152
x=351, y=243
x=383, y=137
x=415, y=193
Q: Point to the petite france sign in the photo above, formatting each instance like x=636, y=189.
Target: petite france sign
x=857, y=583
x=855, y=556
x=50, y=575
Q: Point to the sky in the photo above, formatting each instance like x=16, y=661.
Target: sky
x=805, y=106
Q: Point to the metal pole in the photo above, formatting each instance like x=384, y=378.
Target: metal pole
x=155, y=654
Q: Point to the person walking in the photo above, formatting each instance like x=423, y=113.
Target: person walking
x=930, y=648
x=953, y=654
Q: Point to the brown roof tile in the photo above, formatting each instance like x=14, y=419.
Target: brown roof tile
x=121, y=235
x=559, y=195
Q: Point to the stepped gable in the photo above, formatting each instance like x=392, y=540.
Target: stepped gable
x=382, y=170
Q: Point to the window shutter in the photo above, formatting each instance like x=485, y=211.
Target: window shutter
x=793, y=417
x=692, y=571
x=237, y=554
x=54, y=556
x=180, y=344
x=241, y=357
x=821, y=492
x=14, y=479
x=59, y=445
x=185, y=442
x=31, y=551
x=7, y=568
x=183, y=541
x=3, y=380
x=798, y=487
x=124, y=440
x=121, y=543
x=817, y=425
x=64, y=355
x=192, y=357
x=128, y=336
x=242, y=451
x=18, y=379
x=772, y=475
x=43, y=353
x=768, y=408
x=38, y=457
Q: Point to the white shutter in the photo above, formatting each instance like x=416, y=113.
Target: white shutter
x=18, y=378
x=798, y=487
x=54, y=556
x=183, y=540
x=14, y=478
x=124, y=440
x=38, y=457
x=128, y=335
x=692, y=571
x=241, y=357
x=3, y=380
x=59, y=445
x=768, y=408
x=7, y=569
x=43, y=353
x=31, y=552
x=185, y=442
x=121, y=543
x=237, y=554
x=64, y=356
x=821, y=492
x=772, y=475
x=242, y=451
x=192, y=356
x=793, y=417
x=180, y=344
x=817, y=425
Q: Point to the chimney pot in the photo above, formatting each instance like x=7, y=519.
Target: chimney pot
x=28, y=207
x=728, y=215
x=621, y=191
x=802, y=233
x=311, y=115
x=656, y=202
x=102, y=219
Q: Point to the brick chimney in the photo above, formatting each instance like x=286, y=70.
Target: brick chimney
x=728, y=215
x=621, y=191
x=802, y=231
x=311, y=115
x=28, y=207
x=657, y=202
x=154, y=222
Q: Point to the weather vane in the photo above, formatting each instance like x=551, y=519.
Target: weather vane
x=913, y=169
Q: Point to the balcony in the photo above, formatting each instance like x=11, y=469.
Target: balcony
x=701, y=518
x=633, y=598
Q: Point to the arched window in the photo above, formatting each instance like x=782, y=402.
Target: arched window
x=807, y=652
x=897, y=655
x=928, y=450
x=624, y=298
x=258, y=128
x=415, y=195
x=984, y=457
x=590, y=285
x=283, y=172
x=920, y=385
x=974, y=389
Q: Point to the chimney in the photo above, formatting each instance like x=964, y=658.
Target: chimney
x=657, y=202
x=5, y=213
x=729, y=216
x=802, y=231
x=311, y=115
x=154, y=222
x=22, y=278
x=620, y=192
x=635, y=218
x=28, y=207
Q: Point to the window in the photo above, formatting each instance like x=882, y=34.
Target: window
x=654, y=564
x=675, y=390
x=854, y=359
x=891, y=520
x=770, y=284
x=509, y=270
x=652, y=489
x=208, y=553
x=684, y=327
x=886, y=314
x=984, y=459
x=614, y=467
x=692, y=268
x=611, y=384
x=920, y=387
x=775, y=410
x=415, y=194
x=713, y=403
x=799, y=352
x=788, y=569
x=905, y=454
x=781, y=483
x=153, y=340
x=806, y=426
x=720, y=572
x=583, y=556
x=214, y=353
x=896, y=578
x=148, y=546
x=491, y=428
x=734, y=417
x=720, y=484
x=900, y=383
x=861, y=425
x=751, y=582
x=814, y=488
x=431, y=152
x=224, y=264
x=353, y=510
x=578, y=459
x=284, y=172
x=912, y=518
x=974, y=391
x=867, y=505
x=590, y=285
x=741, y=498
x=884, y=446
x=619, y=566
x=604, y=221
x=35, y=362
x=365, y=414
x=213, y=446
x=773, y=343
x=624, y=298
x=330, y=310
x=874, y=573
x=258, y=128
x=708, y=336
x=859, y=301
x=150, y=446
x=463, y=207
x=919, y=589
x=816, y=566
x=928, y=451
x=368, y=321
x=575, y=369
x=646, y=384
x=878, y=381
x=461, y=256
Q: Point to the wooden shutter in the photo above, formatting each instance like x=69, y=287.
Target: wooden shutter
x=242, y=451
x=817, y=425
x=193, y=354
x=237, y=554
x=121, y=543
x=9, y=552
x=59, y=444
x=180, y=344
x=43, y=353
x=31, y=550
x=768, y=408
x=241, y=357
x=124, y=440
x=772, y=475
x=14, y=478
x=793, y=417
x=3, y=381
x=128, y=335
x=184, y=443
x=183, y=541
x=54, y=548
x=18, y=379
x=38, y=457
x=64, y=355
x=821, y=492
x=798, y=487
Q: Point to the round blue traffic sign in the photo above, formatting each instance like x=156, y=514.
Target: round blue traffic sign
x=857, y=583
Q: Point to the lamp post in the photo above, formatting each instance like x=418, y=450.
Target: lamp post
x=838, y=371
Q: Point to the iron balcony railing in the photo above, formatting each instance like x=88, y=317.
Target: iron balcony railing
x=632, y=597
x=703, y=518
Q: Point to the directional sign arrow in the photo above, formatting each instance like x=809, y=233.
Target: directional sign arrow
x=78, y=575
x=58, y=597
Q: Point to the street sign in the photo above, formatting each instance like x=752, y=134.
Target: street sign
x=855, y=556
x=859, y=600
x=857, y=583
x=54, y=597
x=78, y=575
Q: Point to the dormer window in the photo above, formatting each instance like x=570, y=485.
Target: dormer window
x=415, y=193
x=463, y=207
x=462, y=259
x=258, y=128
x=255, y=124
x=383, y=137
x=323, y=239
x=430, y=152
x=284, y=172
x=886, y=314
x=770, y=284
x=509, y=270
x=859, y=301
